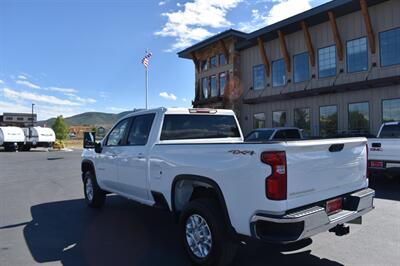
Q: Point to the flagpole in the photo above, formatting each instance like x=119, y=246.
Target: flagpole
x=146, y=79
x=147, y=84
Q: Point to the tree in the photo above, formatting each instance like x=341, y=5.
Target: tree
x=60, y=128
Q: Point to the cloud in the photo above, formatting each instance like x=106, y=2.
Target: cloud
x=168, y=96
x=22, y=77
x=23, y=95
x=27, y=84
x=280, y=10
x=161, y=3
x=63, y=90
x=191, y=24
x=103, y=94
x=43, y=111
x=75, y=97
x=116, y=109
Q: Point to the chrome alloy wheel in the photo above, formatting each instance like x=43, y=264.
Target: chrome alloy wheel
x=198, y=236
x=89, y=189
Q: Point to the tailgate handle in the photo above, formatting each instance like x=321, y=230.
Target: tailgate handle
x=336, y=147
x=376, y=145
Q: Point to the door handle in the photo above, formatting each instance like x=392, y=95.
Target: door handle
x=140, y=156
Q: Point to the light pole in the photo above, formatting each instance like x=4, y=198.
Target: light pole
x=30, y=129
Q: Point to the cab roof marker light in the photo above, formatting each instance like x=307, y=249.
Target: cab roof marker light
x=202, y=111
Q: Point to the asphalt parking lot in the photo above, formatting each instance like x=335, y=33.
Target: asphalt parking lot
x=43, y=219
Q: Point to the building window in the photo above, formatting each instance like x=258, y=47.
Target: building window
x=9, y=118
x=359, y=117
x=389, y=42
x=357, y=55
x=20, y=118
x=279, y=119
x=301, y=67
x=258, y=77
x=222, y=59
x=30, y=119
x=204, y=88
x=391, y=110
x=259, y=120
x=213, y=86
x=222, y=83
x=213, y=62
x=204, y=65
x=328, y=120
x=302, y=120
x=327, y=62
x=278, y=73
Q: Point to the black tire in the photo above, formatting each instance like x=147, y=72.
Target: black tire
x=223, y=249
x=98, y=197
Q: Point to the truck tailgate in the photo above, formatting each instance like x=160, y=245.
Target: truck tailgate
x=322, y=169
x=384, y=149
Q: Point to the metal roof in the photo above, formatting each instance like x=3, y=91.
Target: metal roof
x=228, y=33
x=314, y=16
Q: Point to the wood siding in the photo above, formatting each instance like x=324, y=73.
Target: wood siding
x=384, y=17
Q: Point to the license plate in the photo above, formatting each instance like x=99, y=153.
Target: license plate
x=333, y=206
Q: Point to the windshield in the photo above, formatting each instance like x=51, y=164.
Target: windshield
x=390, y=131
x=259, y=135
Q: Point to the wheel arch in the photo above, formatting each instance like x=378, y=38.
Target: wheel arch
x=87, y=165
x=197, y=179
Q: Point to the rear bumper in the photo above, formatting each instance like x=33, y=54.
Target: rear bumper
x=391, y=167
x=310, y=221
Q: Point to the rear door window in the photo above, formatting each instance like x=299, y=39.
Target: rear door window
x=179, y=127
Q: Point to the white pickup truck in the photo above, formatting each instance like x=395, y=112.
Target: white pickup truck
x=384, y=151
x=194, y=162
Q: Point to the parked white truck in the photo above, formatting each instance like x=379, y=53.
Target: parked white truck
x=194, y=162
x=384, y=151
x=11, y=138
x=38, y=137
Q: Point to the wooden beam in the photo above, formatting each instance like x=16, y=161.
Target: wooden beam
x=368, y=25
x=336, y=35
x=225, y=50
x=310, y=47
x=264, y=56
x=284, y=50
x=196, y=62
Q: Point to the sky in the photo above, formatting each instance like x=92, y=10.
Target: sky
x=74, y=56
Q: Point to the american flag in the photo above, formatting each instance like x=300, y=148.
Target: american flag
x=145, y=60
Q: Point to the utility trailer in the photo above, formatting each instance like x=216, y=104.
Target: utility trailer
x=38, y=137
x=11, y=138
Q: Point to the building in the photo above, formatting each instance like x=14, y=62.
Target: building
x=18, y=119
x=331, y=69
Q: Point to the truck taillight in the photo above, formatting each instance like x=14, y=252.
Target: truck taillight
x=276, y=182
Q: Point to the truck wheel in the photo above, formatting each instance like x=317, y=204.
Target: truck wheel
x=204, y=234
x=94, y=195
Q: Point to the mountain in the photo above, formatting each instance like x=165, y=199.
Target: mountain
x=88, y=118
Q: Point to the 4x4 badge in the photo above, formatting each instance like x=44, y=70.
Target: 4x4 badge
x=241, y=152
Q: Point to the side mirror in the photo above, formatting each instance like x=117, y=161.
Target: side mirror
x=98, y=148
x=89, y=140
